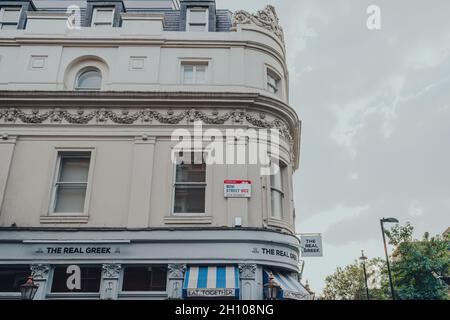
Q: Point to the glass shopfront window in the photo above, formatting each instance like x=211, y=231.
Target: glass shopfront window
x=64, y=279
x=144, y=278
x=12, y=277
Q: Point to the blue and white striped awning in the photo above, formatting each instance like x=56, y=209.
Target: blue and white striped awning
x=290, y=287
x=211, y=282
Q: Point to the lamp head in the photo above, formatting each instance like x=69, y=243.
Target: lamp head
x=28, y=289
x=363, y=258
x=390, y=220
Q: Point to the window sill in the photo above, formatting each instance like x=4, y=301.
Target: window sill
x=139, y=294
x=51, y=219
x=73, y=295
x=186, y=219
x=10, y=296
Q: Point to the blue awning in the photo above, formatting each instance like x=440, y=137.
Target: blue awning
x=211, y=282
x=290, y=288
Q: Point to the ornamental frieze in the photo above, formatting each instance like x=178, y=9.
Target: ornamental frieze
x=176, y=271
x=266, y=18
x=143, y=116
x=111, y=271
x=247, y=271
x=39, y=271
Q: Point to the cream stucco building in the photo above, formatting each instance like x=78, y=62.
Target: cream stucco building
x=89, y=99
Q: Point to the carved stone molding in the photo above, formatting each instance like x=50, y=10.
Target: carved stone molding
x=111, y=271
x=266, y=18
x=39, y=271
x=247, y=271
x=143, y=116
x=176, y=271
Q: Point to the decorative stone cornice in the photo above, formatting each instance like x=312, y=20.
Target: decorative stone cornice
x=103, y=116
x=266, y=18
x=79, y=106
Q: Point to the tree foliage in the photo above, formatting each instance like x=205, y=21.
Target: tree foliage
x=418, y=267
x=348, y=283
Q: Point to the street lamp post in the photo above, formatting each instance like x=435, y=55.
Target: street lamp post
x=363, y=259
x=389, y=220
x=28, y=289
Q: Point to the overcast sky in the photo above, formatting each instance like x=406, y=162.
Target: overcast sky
x=375, y=107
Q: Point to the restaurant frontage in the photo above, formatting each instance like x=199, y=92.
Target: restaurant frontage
x=150, y=264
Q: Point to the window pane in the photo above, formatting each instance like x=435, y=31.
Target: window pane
x=271, y=80
x=12, y=26
x=200, y=74
x=11, y=15
x=277, y=207
x=191, y=173
x=12, y=277
x=104, y=16
x=276, y=180
x=144, y=278
x=272, y=83
x=197, y=16
x=91, y=79
x=159, y=278
x=90, y=279
x=191, y=167
x=74, y=169
x=197, y=27
x=188, y=74
x=189, y=200
x=102, y=25
x=70, y=198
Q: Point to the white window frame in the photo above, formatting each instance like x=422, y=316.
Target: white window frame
x=60, y=153
x=188, y=18
x=282, y=191
x=81, y=72
x=194, y=64
x=174, y=185
x=10, y=23
x=94, y=24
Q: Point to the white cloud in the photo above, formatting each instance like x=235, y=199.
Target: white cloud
x=415, y=210
x=327, y=219
x=354, y=176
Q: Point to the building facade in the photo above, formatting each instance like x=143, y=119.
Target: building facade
x=96, y=201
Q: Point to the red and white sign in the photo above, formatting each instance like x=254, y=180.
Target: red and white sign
x=237, y=188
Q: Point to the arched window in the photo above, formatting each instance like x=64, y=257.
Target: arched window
x=89, y=79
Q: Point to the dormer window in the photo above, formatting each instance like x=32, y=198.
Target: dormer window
x=103, y=17
x=197, y=20
x=9, y=18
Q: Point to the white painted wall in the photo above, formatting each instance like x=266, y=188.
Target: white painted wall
x=131, y=183
x=238, y=60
